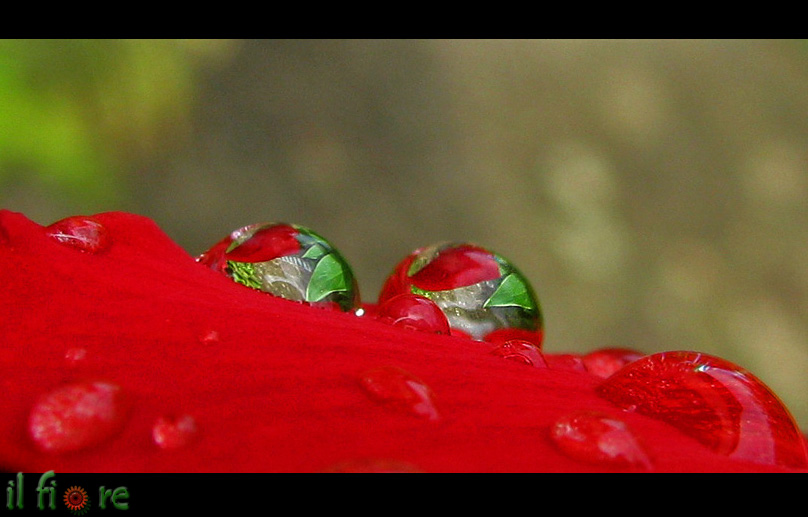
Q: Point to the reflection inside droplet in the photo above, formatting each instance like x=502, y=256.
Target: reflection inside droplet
x=479, y=291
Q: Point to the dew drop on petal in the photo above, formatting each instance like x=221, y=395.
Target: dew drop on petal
x=372, y=466
x=718, y=403
x=174, y=432
x=479, y=291
x=400, y=389
x=521, y=351
x=76, y=416
x=80, y=232
x=288, y=261
x=599, y=438
x=605, y=361
x=210, y=337
x=413, y=312
x=75, y=355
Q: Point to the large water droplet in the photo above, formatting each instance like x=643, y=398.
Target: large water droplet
x=400, y=389
x=414, y=312
x=598, y=438
x=521, y=351
x=605, y=361
x=288, y=261
x=174, y=431
x=712, y=400
x=81, y=232
x=76, y=416
x=479, y=291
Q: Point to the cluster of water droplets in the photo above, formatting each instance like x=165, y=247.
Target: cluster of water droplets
x=82, y=414
x=454, y=290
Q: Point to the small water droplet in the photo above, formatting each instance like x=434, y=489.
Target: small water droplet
x=399, y=388
x=414, y=312
x=210, y=337
x=81, y=232
x=596, y=437
x=712, y=400
x=75, y=355
x=360, y=311
x=521, y=351
x=373, y=466
x=76, y=416
x=174, y=432
x=605, y=361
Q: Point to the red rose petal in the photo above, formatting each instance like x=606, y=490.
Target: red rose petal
x=276, y=389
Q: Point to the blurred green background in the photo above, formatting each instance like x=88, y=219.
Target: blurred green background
x=654, y=192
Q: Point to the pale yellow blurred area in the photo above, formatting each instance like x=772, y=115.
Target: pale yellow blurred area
x=653, y=191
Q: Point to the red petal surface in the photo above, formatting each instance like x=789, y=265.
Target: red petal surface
x=277, y=388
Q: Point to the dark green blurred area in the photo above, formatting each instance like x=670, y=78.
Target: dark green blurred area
x=654, y=192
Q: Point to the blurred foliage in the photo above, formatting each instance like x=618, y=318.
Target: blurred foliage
x=73, y=113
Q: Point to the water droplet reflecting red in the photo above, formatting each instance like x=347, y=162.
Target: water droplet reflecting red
x=76, y=416
x=598, y=438
x=174, y=432
x=413, y=312
x=521, y=351
x=400, y=389
x=605, y=361
x=712, y=400
x=81, y=232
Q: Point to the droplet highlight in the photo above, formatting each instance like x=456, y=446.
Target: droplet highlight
x=521, y=351
x=74, y=356
x=598, y=438
x=718, y=403
x=414, y=312
x=288, y=261
x=397, y=388
x=82, y=233
x=211, y=337
x=479, y=291
x=173, y=432
x=76, y=416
